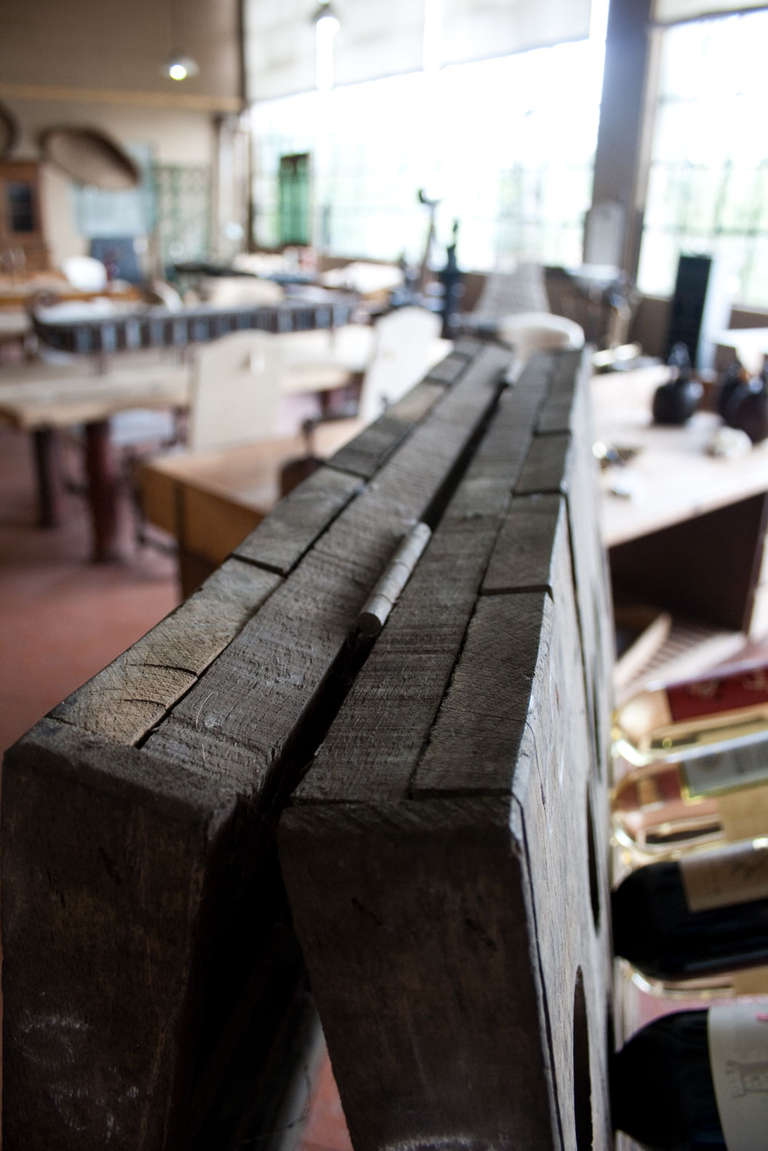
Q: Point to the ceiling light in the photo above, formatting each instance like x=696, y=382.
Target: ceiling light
x=181, y=68
x=327, y=25
x=325, y=13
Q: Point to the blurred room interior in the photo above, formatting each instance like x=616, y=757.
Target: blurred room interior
x=325, y=196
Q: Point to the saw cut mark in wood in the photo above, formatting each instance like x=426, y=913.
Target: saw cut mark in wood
x=129, y=696
x=279, y=542
x=366, y=453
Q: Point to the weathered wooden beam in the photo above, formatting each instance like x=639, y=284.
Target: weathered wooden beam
x=444, y=871
x=218, y=704
x=450, y=805
x=366, y=453
x=105, y=858
x=265, y=684
x=279, y=542
x=126, y=699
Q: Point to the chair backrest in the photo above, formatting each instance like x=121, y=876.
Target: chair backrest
x=233, y=291
x=236, y=385
x=403, y=343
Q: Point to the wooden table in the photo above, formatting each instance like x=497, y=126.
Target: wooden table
x=16, y=298
x=43, y=399
x=691, y=527
x=209, y=501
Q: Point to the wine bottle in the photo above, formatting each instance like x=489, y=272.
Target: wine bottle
x=704, y=914
x=687, y=719
x=696, y=1079
x=667, y=807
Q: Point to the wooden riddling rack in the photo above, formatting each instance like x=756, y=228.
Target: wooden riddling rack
x=160, y=327
x=427, y=806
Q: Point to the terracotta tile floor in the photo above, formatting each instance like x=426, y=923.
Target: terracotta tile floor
x=62, y=619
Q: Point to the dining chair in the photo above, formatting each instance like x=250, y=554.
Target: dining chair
x=235, y=390
x=403, y=348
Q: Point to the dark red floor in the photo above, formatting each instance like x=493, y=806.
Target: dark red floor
x=62, y=619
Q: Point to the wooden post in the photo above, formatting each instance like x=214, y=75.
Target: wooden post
x=446, y=854
x=45, y=445
x=154, y=988
x=102, y=487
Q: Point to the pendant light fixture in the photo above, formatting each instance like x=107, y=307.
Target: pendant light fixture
x=327, y=24
x=179, y=66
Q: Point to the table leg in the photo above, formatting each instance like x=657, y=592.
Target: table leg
x=102, y=489
x=45, y=446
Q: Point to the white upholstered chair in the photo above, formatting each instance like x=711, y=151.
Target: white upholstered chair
x=235, y=390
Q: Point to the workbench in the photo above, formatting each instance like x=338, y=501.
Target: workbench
x=686, y=531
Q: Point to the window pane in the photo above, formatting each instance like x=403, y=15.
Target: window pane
x=506, y=145
x=707, y=184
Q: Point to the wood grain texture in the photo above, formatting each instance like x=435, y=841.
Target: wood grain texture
x=364, y=455
x=561, y=460
x=241, y=718
x=537, y=374
x=371, y=879
x=546, y=467
x=590, y=570
x=679, y=567
x=282, y=539
x=389, y=712
x=210, y=525
x=104, y=855
x=423, y=907
x=132, y=693
x=470, y=713
x=467, y=346
x=442, y=824
x=555, y=415
x=64, y=400
x=448, y=370
x=476, y=740
x=523, y=556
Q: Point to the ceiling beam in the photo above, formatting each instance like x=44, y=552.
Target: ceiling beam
x=191, y=101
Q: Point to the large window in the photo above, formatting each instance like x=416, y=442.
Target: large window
x=506, y=144
x=708, y=187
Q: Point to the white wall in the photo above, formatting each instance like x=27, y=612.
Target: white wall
x=176, y=136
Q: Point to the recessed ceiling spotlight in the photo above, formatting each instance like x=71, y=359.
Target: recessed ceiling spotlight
x=181, y=68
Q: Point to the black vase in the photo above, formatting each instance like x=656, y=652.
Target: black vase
x=675, y=402
x=747, y=409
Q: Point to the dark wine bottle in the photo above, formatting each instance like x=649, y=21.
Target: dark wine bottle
x=734, y=380
x=702, y=915
x=696, y=1080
